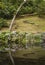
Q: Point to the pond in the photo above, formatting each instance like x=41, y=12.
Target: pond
x=32, y=56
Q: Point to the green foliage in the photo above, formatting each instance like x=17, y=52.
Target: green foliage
x=26, y=10
x=3, y=23
x=6, y=10
x=37, y=40
x=41, y=9
x=9, y=7
x=19, y=39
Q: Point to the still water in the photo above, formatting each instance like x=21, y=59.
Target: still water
x=35, y=56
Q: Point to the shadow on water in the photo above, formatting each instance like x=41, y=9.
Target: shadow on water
x=24, y=57
x=21, y=61
x=24, y=61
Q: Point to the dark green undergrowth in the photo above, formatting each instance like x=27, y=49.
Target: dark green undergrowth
x=9, y=8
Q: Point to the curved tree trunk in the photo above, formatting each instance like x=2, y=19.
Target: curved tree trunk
x=11, y=25
x=10, y=28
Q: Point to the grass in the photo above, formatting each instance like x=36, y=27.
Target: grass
x=38, y=26
x=34, y=24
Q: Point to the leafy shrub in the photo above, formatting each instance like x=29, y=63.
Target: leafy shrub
x=3, y=23
x=17, y=39
x=40, y=9
x=37, y=40
x=6, y=10
x=26, y=10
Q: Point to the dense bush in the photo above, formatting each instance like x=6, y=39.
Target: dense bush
x=26, y=10
x=9, y=7
x=3, y=23
x=6, y=10
x=37, y=40
x=41, y=9
x=19, y=39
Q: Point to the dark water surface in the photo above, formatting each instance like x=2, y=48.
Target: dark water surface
x=21, y=61
x=24, y=57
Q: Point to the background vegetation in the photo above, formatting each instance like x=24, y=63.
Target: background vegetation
x=9, y=7
x=31, y=45
x=20, y=40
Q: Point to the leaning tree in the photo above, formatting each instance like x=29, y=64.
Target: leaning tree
x=10, y=29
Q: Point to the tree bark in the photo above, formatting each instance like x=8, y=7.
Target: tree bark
x=14, y=17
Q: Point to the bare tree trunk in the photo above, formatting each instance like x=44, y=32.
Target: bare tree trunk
x=11, y=25
x=10, y=28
